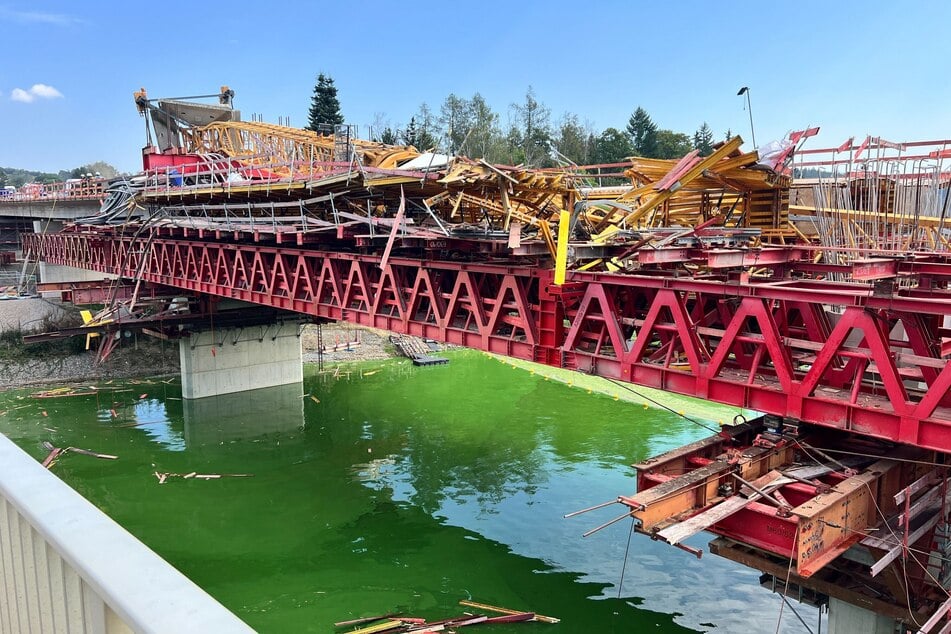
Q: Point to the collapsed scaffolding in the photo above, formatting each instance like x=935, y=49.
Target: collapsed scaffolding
x=207, y=170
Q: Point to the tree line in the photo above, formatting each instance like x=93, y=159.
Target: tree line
x=470, y=127
x=16, y=177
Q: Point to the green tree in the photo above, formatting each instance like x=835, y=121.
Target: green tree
x=729, y=134
x=703, y=139
x=572, y=140
x=16, y=177
x=105, y=170
x=324, y=105
x=532, y=128
x=643, y=133
x=410, y=134
x=455, y=119
x=418, y=130
x=672, y=144
x=612, y=146
x=388, y=136
x=428, y=130
x=485, y=138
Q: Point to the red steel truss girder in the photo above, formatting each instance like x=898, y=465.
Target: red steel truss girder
x=769, y=346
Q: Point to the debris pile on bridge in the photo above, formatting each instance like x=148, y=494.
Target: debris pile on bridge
x=291, y=185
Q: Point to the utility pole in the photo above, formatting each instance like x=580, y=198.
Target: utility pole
x=745, y=90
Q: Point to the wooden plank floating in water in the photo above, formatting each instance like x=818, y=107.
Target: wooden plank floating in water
x=493, y=608
x=385, y=626
x=163, y=477
x=56, y=452
x=392, y=622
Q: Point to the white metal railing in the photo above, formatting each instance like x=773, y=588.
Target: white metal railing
x=67, y=567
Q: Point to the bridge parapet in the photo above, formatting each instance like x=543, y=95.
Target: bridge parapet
x=85, y=189
x=66, y=566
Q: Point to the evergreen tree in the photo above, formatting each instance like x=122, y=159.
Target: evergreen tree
x=643, y=133
x=388, y=136
x=485, y=139
x=454, y=117
x=417, y=132
x=426, y=129
x=729, y=134
x=411, y=133
x=324, y=106
x=703, y=139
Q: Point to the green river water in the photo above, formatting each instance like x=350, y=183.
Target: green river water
x=402, y=489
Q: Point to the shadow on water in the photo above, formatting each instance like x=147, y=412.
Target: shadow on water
x=394, y=488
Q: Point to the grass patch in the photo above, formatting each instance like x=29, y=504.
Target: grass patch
x=12, y=346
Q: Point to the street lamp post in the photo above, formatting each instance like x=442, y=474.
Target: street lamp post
x=745, y=90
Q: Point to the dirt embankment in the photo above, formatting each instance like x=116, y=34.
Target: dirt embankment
x=67, y=362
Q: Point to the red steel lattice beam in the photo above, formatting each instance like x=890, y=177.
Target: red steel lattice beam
x=836, y=354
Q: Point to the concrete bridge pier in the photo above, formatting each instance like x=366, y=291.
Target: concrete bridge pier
x=845, y=618
x=237, y=359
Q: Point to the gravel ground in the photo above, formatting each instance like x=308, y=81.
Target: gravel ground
x=149, y=358
x=27, y=314
x=367, y=344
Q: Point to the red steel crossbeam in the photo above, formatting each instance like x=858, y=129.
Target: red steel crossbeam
x=837, y=354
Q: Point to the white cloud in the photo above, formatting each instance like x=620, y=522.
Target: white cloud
x=41, y=91
x=19, y=94
x=44, y=91
x=37, y=17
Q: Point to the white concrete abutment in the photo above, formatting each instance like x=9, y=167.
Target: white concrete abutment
x=237, y=359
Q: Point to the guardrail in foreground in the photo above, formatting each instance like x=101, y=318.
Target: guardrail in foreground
x=66, y=566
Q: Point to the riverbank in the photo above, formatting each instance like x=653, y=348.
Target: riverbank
x=67, y=362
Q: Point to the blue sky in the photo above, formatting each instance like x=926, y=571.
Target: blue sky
x=852, y=68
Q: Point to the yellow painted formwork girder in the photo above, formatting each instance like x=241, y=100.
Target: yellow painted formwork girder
x=652, y=201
